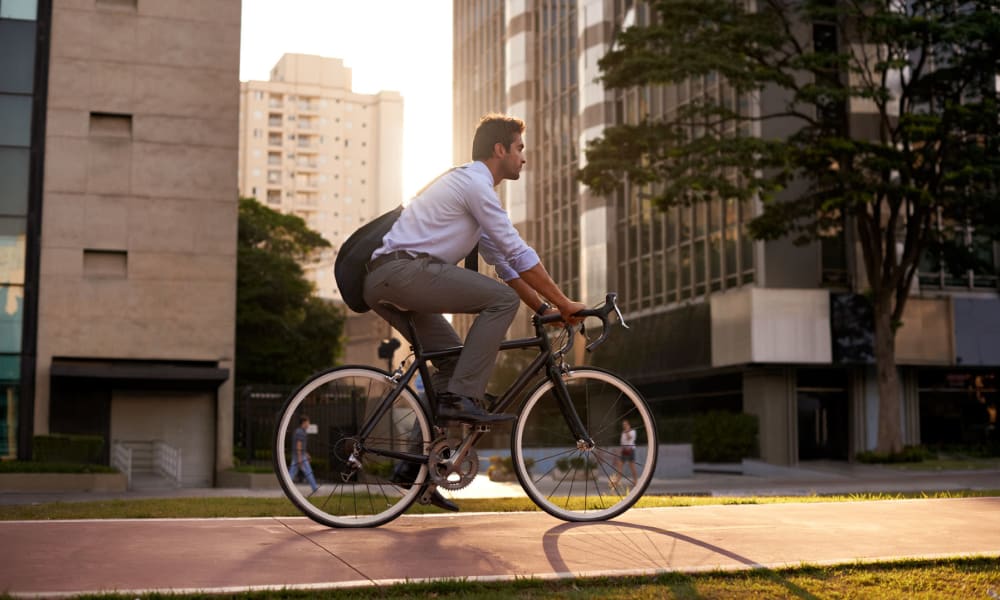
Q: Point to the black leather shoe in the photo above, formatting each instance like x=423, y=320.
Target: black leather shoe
x=466, y=410
x=441, y=502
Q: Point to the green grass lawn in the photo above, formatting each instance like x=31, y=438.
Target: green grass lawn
x=281, y=507
x=977, y=577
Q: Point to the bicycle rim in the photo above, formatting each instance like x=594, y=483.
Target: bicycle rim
x=368, y=489
x=584, y=484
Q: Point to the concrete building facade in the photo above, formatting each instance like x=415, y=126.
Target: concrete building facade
x=720, y=321
x=128, y=247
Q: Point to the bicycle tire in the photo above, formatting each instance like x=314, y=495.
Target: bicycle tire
x=573, y=483
x=338, y=402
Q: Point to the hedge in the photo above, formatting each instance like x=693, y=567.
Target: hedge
x=32, y=466
x=67, y=448
x=724, y=437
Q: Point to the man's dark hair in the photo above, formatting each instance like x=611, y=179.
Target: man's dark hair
x=303, y=419
x=494, y=128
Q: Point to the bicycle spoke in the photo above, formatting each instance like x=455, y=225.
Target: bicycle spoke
x=361, y=487
x=584, y=484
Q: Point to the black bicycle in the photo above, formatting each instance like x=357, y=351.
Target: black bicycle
x=377, y=446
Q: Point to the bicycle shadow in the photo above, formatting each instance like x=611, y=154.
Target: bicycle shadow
x=643, y=554
x=438, y=552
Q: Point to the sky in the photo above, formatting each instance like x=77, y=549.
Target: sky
x=398, y=45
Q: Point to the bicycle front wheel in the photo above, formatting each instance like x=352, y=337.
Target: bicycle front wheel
x=344, y=480
x=565, y=477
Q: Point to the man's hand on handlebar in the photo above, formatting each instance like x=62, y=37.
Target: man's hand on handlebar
x=569, y=310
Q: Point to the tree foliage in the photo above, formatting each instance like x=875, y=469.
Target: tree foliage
x=888, y=120
x=283, y=332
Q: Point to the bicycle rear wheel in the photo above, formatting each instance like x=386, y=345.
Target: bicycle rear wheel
x=568, y=480
x=357, y=487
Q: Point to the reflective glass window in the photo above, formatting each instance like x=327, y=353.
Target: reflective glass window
x=10, y=368
x=11, y=309
x=15, y=120
x=17, y=56
x=19, y=9
x=12, y=238
x=14, y=164
x=8, y=419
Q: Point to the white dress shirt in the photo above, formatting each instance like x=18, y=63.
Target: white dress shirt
x=455, y=213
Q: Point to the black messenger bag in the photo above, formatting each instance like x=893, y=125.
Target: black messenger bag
x=354, y=254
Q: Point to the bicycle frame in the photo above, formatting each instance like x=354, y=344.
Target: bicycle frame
x=545, y=361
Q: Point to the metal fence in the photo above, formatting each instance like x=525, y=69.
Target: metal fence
x=257, y=408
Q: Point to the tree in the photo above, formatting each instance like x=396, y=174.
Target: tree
x=283, y=332
x=924, y=71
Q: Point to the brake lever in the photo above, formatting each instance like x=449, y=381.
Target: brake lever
x=621, y=319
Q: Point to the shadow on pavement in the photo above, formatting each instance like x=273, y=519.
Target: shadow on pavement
x=642, y=549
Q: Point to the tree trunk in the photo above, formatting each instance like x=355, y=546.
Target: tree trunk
x=890, y=432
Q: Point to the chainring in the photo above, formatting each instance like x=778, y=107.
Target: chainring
x=451, y=476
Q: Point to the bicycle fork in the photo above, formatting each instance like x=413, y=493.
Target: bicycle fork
x=569, y=412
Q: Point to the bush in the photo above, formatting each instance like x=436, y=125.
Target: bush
x=66, y=448
x=502, y=468
x=30, y=466
x=724, y=437
x=240, y=454
x=909, y=454
x=252, y=469
x=677, y=430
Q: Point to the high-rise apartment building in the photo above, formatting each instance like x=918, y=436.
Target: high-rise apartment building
x=311, y=146
x=718, y=320
x=118, y=146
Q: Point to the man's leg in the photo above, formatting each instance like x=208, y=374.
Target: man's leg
x=430, y=288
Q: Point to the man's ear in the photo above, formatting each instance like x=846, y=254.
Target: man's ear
x=499, y=150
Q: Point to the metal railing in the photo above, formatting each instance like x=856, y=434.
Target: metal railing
x=121, y=459
x=167, y=461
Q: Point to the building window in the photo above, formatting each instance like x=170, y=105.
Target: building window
x=105, y=264
x=22, y=10
x=937, y=272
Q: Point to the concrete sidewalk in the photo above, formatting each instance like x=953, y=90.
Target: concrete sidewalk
x=66, y=558
x=759, y=479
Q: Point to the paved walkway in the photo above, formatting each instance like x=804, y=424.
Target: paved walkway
x=814, y=478
x=65, y=558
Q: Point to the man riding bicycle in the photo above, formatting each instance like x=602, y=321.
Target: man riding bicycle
x=415, y=269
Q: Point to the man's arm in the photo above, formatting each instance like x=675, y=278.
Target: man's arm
x=535, y=281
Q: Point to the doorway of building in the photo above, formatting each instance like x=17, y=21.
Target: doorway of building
x=822, y=414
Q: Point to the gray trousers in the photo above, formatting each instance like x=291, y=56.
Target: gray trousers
x=429, y=288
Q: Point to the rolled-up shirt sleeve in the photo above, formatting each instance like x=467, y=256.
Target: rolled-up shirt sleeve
x=500, y=243
x=507, y=268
